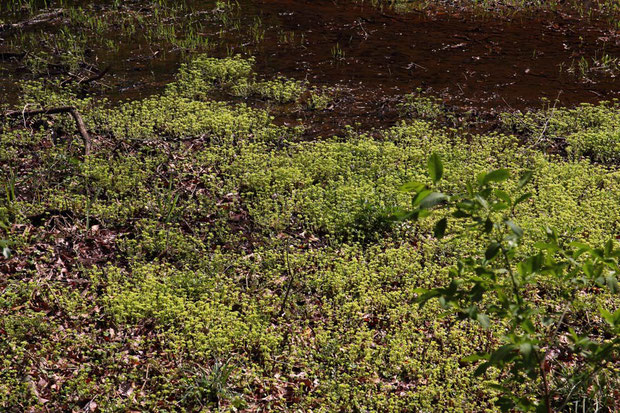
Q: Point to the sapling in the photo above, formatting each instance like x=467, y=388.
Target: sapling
x=495, y=289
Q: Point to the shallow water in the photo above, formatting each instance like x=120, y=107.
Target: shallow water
x=470, y=62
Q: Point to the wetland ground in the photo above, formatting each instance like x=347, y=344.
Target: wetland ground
x=197, y=197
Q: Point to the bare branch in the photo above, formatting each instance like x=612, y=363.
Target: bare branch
x=38, y=19
x=52, y=111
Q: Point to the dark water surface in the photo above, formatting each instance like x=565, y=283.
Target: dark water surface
x=374, y=57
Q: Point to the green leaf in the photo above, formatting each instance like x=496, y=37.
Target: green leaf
x=423, y=213
x=492, y=251
x=528, y=326
x=525, y=178
x=502, y=354
x=467, y=205
x=526, y=348
x=579, y=245
x=545, y=246
x=435, y=168
x=612, y=284
x=440, y=228
x=426, y=295
x=412, y=187
x=608, y=316
x=515, y=228
x=551, y=235
x=499, y=206
x=609, y=247
x=483, y=202
x=503, y=196
x=420, y=196
x=433, y=199
x=404, y=215
x=484, y=321
x=488, y=226
x=522, y=198
x=460, y=214
x=499, y=175
x=482, y=369
x=474, y=357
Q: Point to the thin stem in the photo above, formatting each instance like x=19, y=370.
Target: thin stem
x=543, y=374
x=515, y=288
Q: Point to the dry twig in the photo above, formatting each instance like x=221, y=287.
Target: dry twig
x=52, y=111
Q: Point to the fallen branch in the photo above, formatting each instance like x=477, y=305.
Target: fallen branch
x=87, y=80
x=52, y=111
x=95, y=77
x=40, y=18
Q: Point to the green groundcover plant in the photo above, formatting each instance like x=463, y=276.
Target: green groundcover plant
x=205, y=257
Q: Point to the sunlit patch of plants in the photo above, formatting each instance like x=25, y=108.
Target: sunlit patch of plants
x=235, y=75
x=591, y=69
x=584, y=131
x=338, y=53
x=606, y=8
x=204, y=257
